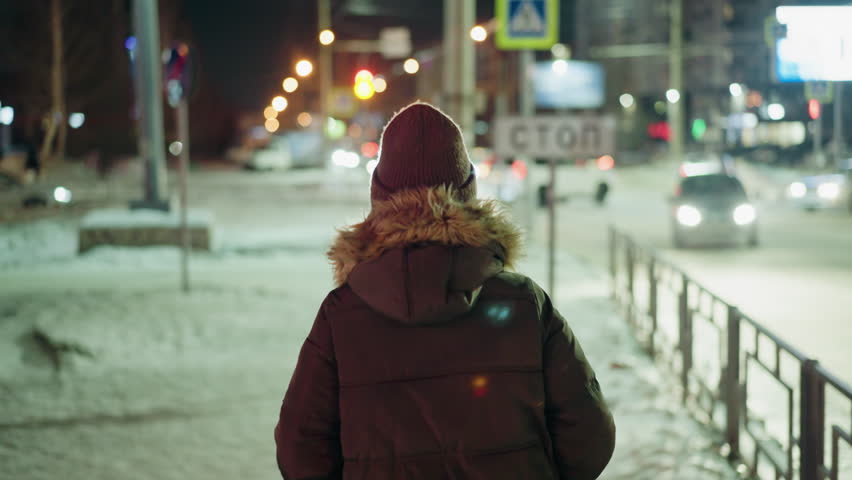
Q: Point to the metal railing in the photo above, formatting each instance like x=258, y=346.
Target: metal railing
x=765, y=398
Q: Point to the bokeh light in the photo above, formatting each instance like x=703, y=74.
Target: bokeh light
x=269, y=112
x=411, y=66
x=478, y=33
x=271, y=125
x=304, y=119
x=279, y=103
x=326, y=37
x=290, y=84
x=304, y=68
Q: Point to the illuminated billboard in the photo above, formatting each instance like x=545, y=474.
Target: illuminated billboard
x=568, y=84
x=817, y=45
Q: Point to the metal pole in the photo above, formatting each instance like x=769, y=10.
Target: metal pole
x=819, y=158
x=527, y=108
x=147, y=59
x=326, y=60
x=839, y=143
x=459, y=66
x=183, y=138
x=675, y=109
x=812, y=417
x=732, y=384
x=551, y=230
x=685, y=336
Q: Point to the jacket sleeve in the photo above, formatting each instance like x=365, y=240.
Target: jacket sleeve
x=580, y=424
x=307, y=436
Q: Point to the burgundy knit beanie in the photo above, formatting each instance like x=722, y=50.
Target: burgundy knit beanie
x=422, y=147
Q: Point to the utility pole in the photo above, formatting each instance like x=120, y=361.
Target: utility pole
x=459, y=76
x=326, y=63
x=149, y=74
x=838, y=143
x=675, y=109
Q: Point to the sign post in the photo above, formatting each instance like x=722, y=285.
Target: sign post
x=555, y=137
x=178, y=85
x=527, y=24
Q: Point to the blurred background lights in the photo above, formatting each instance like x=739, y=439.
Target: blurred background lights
x=560, y=51
x=560, y=67
x=304, y=68
x=343, y=158
x=775, y=111
x=304, y=119
x=371, y=166
x=175, y=148
x=269, y=112
x=626, y=100
x=380, y=84
x=290, y=84
x=62, y=195
x=672, y=95
x=411, y=66
x=76, y=120
x=279, y=103
x=478, y=33
x=7, y=115
x=370, y=149
x=271, y=125
x=326, y=37
x=736, y=89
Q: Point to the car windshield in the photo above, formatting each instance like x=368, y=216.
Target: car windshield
x=711, y=185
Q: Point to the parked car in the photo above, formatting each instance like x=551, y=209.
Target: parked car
x=712, y=209
x=275, y=155
x=15, y=193
x=831, y=190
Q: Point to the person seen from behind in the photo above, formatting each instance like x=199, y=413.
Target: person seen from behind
x=430, y=360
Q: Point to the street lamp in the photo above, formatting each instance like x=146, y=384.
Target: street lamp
x=304, y=68
x=290, y=84
x=279, y=103
x=411, y=66
x=380, y=84
x=326, y=37
x=672, y=95
x=478, y=33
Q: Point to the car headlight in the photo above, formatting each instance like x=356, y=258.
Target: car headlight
x=828, y=190
x=688, y=216
x=745, y=214
x=62, y=195
x=798, y=190
x=343, y=158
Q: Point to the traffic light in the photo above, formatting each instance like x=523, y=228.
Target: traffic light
x=813, y=108
x=364, y=88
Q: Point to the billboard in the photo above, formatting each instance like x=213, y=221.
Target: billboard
x=564, y=84
x=817, y=45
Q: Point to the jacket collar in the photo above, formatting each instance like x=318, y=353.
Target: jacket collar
x=424, y=215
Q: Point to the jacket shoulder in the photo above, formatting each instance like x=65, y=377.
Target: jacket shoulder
x=512, y=284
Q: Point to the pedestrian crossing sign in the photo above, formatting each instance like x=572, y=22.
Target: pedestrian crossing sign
x=527, y=24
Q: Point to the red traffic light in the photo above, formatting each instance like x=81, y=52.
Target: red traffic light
x=814, y=108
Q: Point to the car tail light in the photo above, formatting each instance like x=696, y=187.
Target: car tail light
x=606, y=162
x=519, y=169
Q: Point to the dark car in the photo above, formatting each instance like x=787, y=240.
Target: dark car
x=712, y=209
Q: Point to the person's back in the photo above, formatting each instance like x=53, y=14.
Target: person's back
x=429, y=361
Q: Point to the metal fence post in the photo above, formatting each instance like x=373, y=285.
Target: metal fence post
x=812, y=415
x=613, y=272
x=685, y=335
x=631, y=259
x=732, y=384
x=652, y=301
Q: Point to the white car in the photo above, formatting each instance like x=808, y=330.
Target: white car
x=815, y=192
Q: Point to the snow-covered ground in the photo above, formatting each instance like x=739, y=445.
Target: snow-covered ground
x=107, y=371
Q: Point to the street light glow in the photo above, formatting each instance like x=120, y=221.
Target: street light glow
x=775, y=111
x=304, y=68
x=478, y=33
x=380, y=84
x=76, y=120
x=304, y=119
x=626, y=100
x=411, y=66
x=326, y=37
x=672, y=95
x=269, y=112
x=271, y=125
x=290, y=84
x=560, y=51
x=560, y=67
x=279, y=103
x=736, y=89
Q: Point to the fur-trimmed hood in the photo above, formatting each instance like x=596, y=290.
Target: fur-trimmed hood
x=422, y=255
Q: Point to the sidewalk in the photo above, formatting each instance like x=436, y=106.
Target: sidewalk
x=129, y=379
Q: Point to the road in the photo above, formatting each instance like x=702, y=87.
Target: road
x=798, y=282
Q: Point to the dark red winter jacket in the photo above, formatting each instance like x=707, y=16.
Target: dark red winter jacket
x=429, y=361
